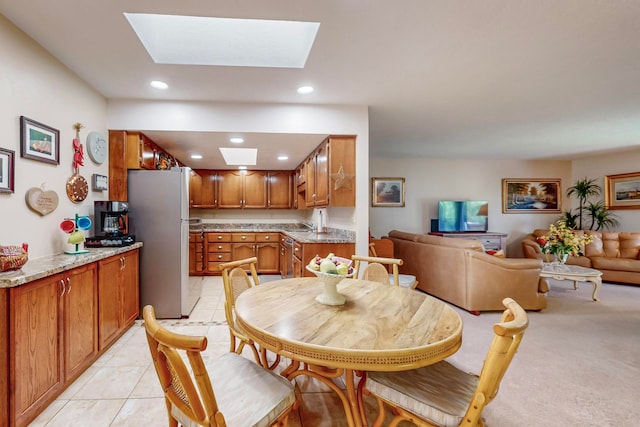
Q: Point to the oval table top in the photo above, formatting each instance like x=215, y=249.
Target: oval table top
x=379, y=328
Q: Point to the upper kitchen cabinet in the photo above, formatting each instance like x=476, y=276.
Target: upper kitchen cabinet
x=329, y=174
x=203, y=189
x=141, y=151
x=279, y=189
x=242, y=189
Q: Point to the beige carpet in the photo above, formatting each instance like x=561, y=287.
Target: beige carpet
x=578, y=364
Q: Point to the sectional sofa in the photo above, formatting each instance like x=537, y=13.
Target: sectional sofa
x=460, y=272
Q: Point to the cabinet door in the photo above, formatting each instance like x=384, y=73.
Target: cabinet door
x=195, y=189
x=255, y=190
x=148, y=153
x=209, y=191
x=109, y=318
x=310, y=169
x=80, y=319
x=35, y=345
x=279, y=190
x=129, y=295
x=243, y=250
x=268, y=257
x=342, y=171
x=322, y=176
x=230, y=189
x=283, y=261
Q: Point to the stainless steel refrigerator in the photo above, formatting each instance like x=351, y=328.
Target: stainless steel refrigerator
x=159, y=218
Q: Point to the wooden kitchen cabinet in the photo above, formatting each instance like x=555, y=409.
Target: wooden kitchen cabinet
x=279, y=190
x=54, y=337
x=196, y=254
x=243, y=245
x=141, y=151
x=242, y=189
x=203, y=189
x=118, y=295
x=217, y=249
x=268, y=252
x=330, y=174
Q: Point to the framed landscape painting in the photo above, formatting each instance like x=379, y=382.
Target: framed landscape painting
x=387, y=192
x=527, y=195
x=39, y=141
x=622, y=191
x=7, y=172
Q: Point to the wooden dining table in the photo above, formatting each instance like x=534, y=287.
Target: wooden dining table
x=379, y=328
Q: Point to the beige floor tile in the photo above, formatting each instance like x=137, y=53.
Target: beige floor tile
x=81, y=413
x=142, y=413
x=79, y=383
x=111, y=383
x=48, y=413
x=148, y=386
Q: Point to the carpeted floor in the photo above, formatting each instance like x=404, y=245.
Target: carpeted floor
x=578, y=364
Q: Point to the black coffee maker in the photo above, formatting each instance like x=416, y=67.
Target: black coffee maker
x=111, y=224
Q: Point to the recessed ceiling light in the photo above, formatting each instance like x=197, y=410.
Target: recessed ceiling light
x=239, y=156
x=236, y=140
x=283, y=157
x=159, y=85
x=196, y=156
x=303, y=90
x=199, y=40
x=242, y=168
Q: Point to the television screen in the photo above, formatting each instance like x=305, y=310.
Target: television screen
x=457, y=215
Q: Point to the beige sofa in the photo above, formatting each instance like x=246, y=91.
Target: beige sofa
x=458, y=271
x=615, y=254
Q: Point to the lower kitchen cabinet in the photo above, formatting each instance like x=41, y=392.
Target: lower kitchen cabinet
x=268, y=252
x=54, y=337
x=217, y=249
x=196, y=254
x=57, y=326
x=118, y=295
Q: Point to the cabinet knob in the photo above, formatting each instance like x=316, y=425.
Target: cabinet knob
x=244, y=237
x=219, y=256
x=219, y=246
x=267, y=237
x=295, y=249
x=219, y=237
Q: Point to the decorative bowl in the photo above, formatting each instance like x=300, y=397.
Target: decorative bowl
x=330, y=296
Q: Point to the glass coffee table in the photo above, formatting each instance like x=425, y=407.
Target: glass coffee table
x=574, y=273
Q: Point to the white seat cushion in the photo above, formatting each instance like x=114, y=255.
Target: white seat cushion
x=439, y=393
x=405, y=280
x=247, y=394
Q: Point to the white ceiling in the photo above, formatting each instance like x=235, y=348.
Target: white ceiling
x=515, y=79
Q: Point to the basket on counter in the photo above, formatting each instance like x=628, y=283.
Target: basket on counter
x=13, y=257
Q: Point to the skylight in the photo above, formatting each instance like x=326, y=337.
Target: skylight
x=239, y=156
x=196, y=40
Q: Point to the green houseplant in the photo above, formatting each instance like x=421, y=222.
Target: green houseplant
x=601, y=217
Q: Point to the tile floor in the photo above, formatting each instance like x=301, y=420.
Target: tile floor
x=121, y=387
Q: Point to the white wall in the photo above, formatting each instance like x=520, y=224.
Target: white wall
x=278, y=118
x=429, y=180
x=35, y=85
x=612, y=164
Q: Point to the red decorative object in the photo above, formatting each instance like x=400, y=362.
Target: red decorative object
x=13, y=257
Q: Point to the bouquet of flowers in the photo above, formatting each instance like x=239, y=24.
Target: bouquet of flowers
x=562, y=241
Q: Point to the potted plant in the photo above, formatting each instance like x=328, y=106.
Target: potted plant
x=601, y=217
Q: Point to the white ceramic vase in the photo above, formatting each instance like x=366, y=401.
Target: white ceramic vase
x=330, y=295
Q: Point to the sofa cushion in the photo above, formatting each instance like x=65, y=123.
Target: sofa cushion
x=619, y=264
x=404, y=235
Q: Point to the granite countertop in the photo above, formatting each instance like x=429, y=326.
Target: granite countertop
x=299, y=232
x=48, y=265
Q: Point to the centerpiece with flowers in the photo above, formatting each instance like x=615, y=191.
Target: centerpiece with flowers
x=330, y=271
x=562, y=241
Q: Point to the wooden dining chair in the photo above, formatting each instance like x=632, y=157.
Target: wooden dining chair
x=377, y=270
x=443, y=395
x=246, y=394
x=405, y=280
x=236, y=280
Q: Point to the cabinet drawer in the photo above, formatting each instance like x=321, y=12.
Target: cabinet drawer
x=489, y=241
x=297, y=250
x=243, y=237
x=218, y=247
x=195, y=238
x=219, y=257
x=218, y=237
x=267, y=237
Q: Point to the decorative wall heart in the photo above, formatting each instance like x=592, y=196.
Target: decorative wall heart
x=40, y=201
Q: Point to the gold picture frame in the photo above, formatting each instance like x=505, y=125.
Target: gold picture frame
x=387, y=192
x=622, y=191
x=528, y=195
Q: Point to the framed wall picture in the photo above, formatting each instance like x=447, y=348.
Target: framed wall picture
x=387, y=192
x=39, y=141
x=526, y=195
x=622, y=191
x=7, y=172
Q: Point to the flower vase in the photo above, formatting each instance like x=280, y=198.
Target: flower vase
x=562, y=258
x=330, y=295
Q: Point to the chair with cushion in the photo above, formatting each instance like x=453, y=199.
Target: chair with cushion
x=246, y=394
x=377, y=270
x=236, y=281
x=443, y=395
